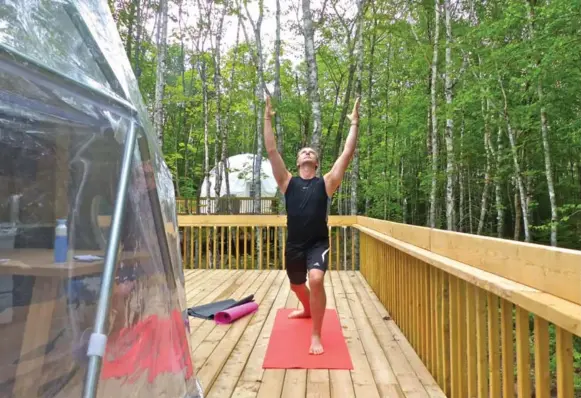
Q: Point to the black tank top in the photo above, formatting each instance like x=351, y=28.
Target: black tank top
x=306, y=208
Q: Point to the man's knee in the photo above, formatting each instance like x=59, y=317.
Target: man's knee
x=316, y=279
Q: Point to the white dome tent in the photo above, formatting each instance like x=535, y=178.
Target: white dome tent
x=240, y=178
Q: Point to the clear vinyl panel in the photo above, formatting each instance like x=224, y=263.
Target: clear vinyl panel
x=68, y=98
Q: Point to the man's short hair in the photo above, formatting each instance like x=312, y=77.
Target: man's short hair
x=308, y=147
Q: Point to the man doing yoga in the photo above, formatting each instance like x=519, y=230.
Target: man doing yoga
x=307, y=198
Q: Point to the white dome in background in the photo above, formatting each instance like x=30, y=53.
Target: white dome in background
x=240, y=178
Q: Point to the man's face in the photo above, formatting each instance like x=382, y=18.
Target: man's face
x=307, y=156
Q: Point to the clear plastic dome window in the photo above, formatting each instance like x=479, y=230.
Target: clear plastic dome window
x=69, y=107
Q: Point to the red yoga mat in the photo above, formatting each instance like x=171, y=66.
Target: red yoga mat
x=231, y=314
x=155, y=345
x=290, y=340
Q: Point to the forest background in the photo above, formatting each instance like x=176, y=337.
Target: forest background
x=470, y=111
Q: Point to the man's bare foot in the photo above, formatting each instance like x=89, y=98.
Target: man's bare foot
x=316, y=346
x=299, y=314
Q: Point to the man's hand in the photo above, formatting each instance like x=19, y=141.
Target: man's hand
x=354, y=116
x=268, y=112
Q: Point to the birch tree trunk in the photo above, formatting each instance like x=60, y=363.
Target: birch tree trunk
x=312, y=77
x=548, y=167
x=545, y=137
x=358, y=89
x=226, y=125
x=130, y=25
x=277, y=89
x=432, y=214
x=137, y=47
x=497, y=188
x=278, y=98
x=450, y=159
x=260, y=90
x=369, y=101
x=461, y=180
x=201, y=66
x=518, y=212
x=206, y=132
x=485, y=190
x=220, y=139
x=470, y=216
x=518, y=176
x=277, y=116
x=160, y=71
x=428, y=138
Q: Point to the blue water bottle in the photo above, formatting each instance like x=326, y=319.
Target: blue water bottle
x=60, y=241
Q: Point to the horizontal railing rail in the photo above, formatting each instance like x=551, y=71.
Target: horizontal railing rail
x=219, y=206
x=255, y=242
x=488, y=317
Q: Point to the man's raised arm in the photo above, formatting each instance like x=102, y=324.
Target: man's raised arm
x=334, y=177
x=281, y=174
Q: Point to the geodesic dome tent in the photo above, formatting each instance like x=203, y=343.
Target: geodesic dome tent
x=240, y=178
x=95, y=306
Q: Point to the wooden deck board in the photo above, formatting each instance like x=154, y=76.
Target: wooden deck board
x=228, y=358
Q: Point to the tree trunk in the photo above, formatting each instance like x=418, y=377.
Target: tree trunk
x=485, y=190
x=260, y=90
x=226, y=126
x=470, y=216
x=461, y=180
x=432, y=214
x=206, y=132
x=278, y=99
x=358, y=89
x=517, y=211
x=277, y=117
x=369, y=110
x=131, y=23
x=182, y=107
x=160, y=72
x=220, y=134
x=450, y=160
x=548, y=167
x=497, y=189
x=277, y=90
x=312, y=78
x=138, y=33
x=519, y=181
x=545, y=138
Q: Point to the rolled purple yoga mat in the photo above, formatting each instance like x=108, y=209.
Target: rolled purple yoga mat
x=231, y=314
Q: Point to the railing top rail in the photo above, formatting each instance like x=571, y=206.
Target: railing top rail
x=251, y=220
x=555, y=271
x=559, y=311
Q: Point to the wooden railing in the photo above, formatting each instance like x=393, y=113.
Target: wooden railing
x=255, y=242
x=239, y=205
x=488, y=317
x=474, y=307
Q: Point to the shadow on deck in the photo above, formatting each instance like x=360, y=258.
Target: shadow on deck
x=228, y=358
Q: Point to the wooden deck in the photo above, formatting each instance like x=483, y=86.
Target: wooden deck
x=228, y=358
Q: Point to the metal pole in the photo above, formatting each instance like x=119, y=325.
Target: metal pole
x=98, y=340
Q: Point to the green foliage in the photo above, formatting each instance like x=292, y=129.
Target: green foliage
x=491, y=44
